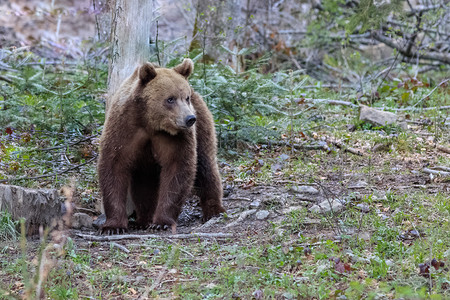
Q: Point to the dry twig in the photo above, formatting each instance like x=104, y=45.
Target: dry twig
x=123, y=248
x=109, y=238
x=49, y=175
x=429, y=94
x=443, y=149
x=435, y=172
x=422, y=108
x=442, y=168
x=345, y=148
x=239, y=199
x=68, y=145
x=329, y=101
x=243, y=215
x=4, y=78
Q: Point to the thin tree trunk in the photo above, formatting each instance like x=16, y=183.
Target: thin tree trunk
x=102, y=13
x=130, y=35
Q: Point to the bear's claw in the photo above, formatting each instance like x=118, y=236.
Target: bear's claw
x=136, y=225
x=158, y=227
x=111, y=231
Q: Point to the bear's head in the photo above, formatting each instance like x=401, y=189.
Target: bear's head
x=166, y=97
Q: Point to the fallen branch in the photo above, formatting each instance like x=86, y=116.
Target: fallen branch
x=123, y=248
x=65, y=146
x=345, y=148
x=329, y=86
x=87, y=210
x=442, y=168
x=327, y=101
x=323, y=146
x=241, y=218
x=435, y=172
x=419, y=108
x=6, y=79
x=239, y=199
x=207, y=224
x=303, y=146
x=429, y=94
x=108, y=238
x=49, y=175
x=443, y=149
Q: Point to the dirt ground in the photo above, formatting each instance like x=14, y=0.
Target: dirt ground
x=243, y=200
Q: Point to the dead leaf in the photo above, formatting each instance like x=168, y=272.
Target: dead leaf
x=307, y=251
x=424, y=269
x=258, y=295
x=437, y=264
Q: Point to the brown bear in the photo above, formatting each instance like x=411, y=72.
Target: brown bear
x=158, y=143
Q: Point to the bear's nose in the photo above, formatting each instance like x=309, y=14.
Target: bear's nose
x=190, y=120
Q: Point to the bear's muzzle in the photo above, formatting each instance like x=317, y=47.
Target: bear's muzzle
x=190, y=120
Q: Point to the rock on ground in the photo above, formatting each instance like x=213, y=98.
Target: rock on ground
x=262, y=214
x=81, y=220
x=378, y=117
x=360, y=184
x=304, y=189
x=333, y=205
x=37, y=207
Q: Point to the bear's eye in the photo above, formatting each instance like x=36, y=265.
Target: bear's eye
x=188, y=99
x=171, y=100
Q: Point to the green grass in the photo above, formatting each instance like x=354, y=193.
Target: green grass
x=8, y=227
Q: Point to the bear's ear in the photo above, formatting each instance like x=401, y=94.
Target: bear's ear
x=146, y=73
x=185, y=68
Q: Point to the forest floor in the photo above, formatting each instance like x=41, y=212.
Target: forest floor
x=384, y=237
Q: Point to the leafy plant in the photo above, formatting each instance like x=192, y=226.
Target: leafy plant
x=66, y=99
x=242, y=102
x=8, y=227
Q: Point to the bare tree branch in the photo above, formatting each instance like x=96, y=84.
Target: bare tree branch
x=444, y=58
x=421, y=9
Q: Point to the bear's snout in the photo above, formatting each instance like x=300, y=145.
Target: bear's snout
x=190, y=120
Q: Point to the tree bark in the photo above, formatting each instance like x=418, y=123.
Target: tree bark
x=130, y=36
x=40, y=207
x=102, y=12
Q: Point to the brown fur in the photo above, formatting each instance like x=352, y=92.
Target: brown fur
x=148, y=147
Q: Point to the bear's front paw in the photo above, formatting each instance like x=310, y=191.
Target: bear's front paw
x=158, y=227
x=136, y=225
x=163, y=224
x=213, y=211
x=113, y=226
x=112, y=230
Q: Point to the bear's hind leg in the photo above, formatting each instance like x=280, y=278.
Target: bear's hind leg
x=114, y=190
x=208, y=186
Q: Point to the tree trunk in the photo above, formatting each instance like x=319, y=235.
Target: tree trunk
x=40, y=207
x=102, y=12
x=130, y=35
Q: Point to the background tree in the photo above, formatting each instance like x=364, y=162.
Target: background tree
x=129, y=41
